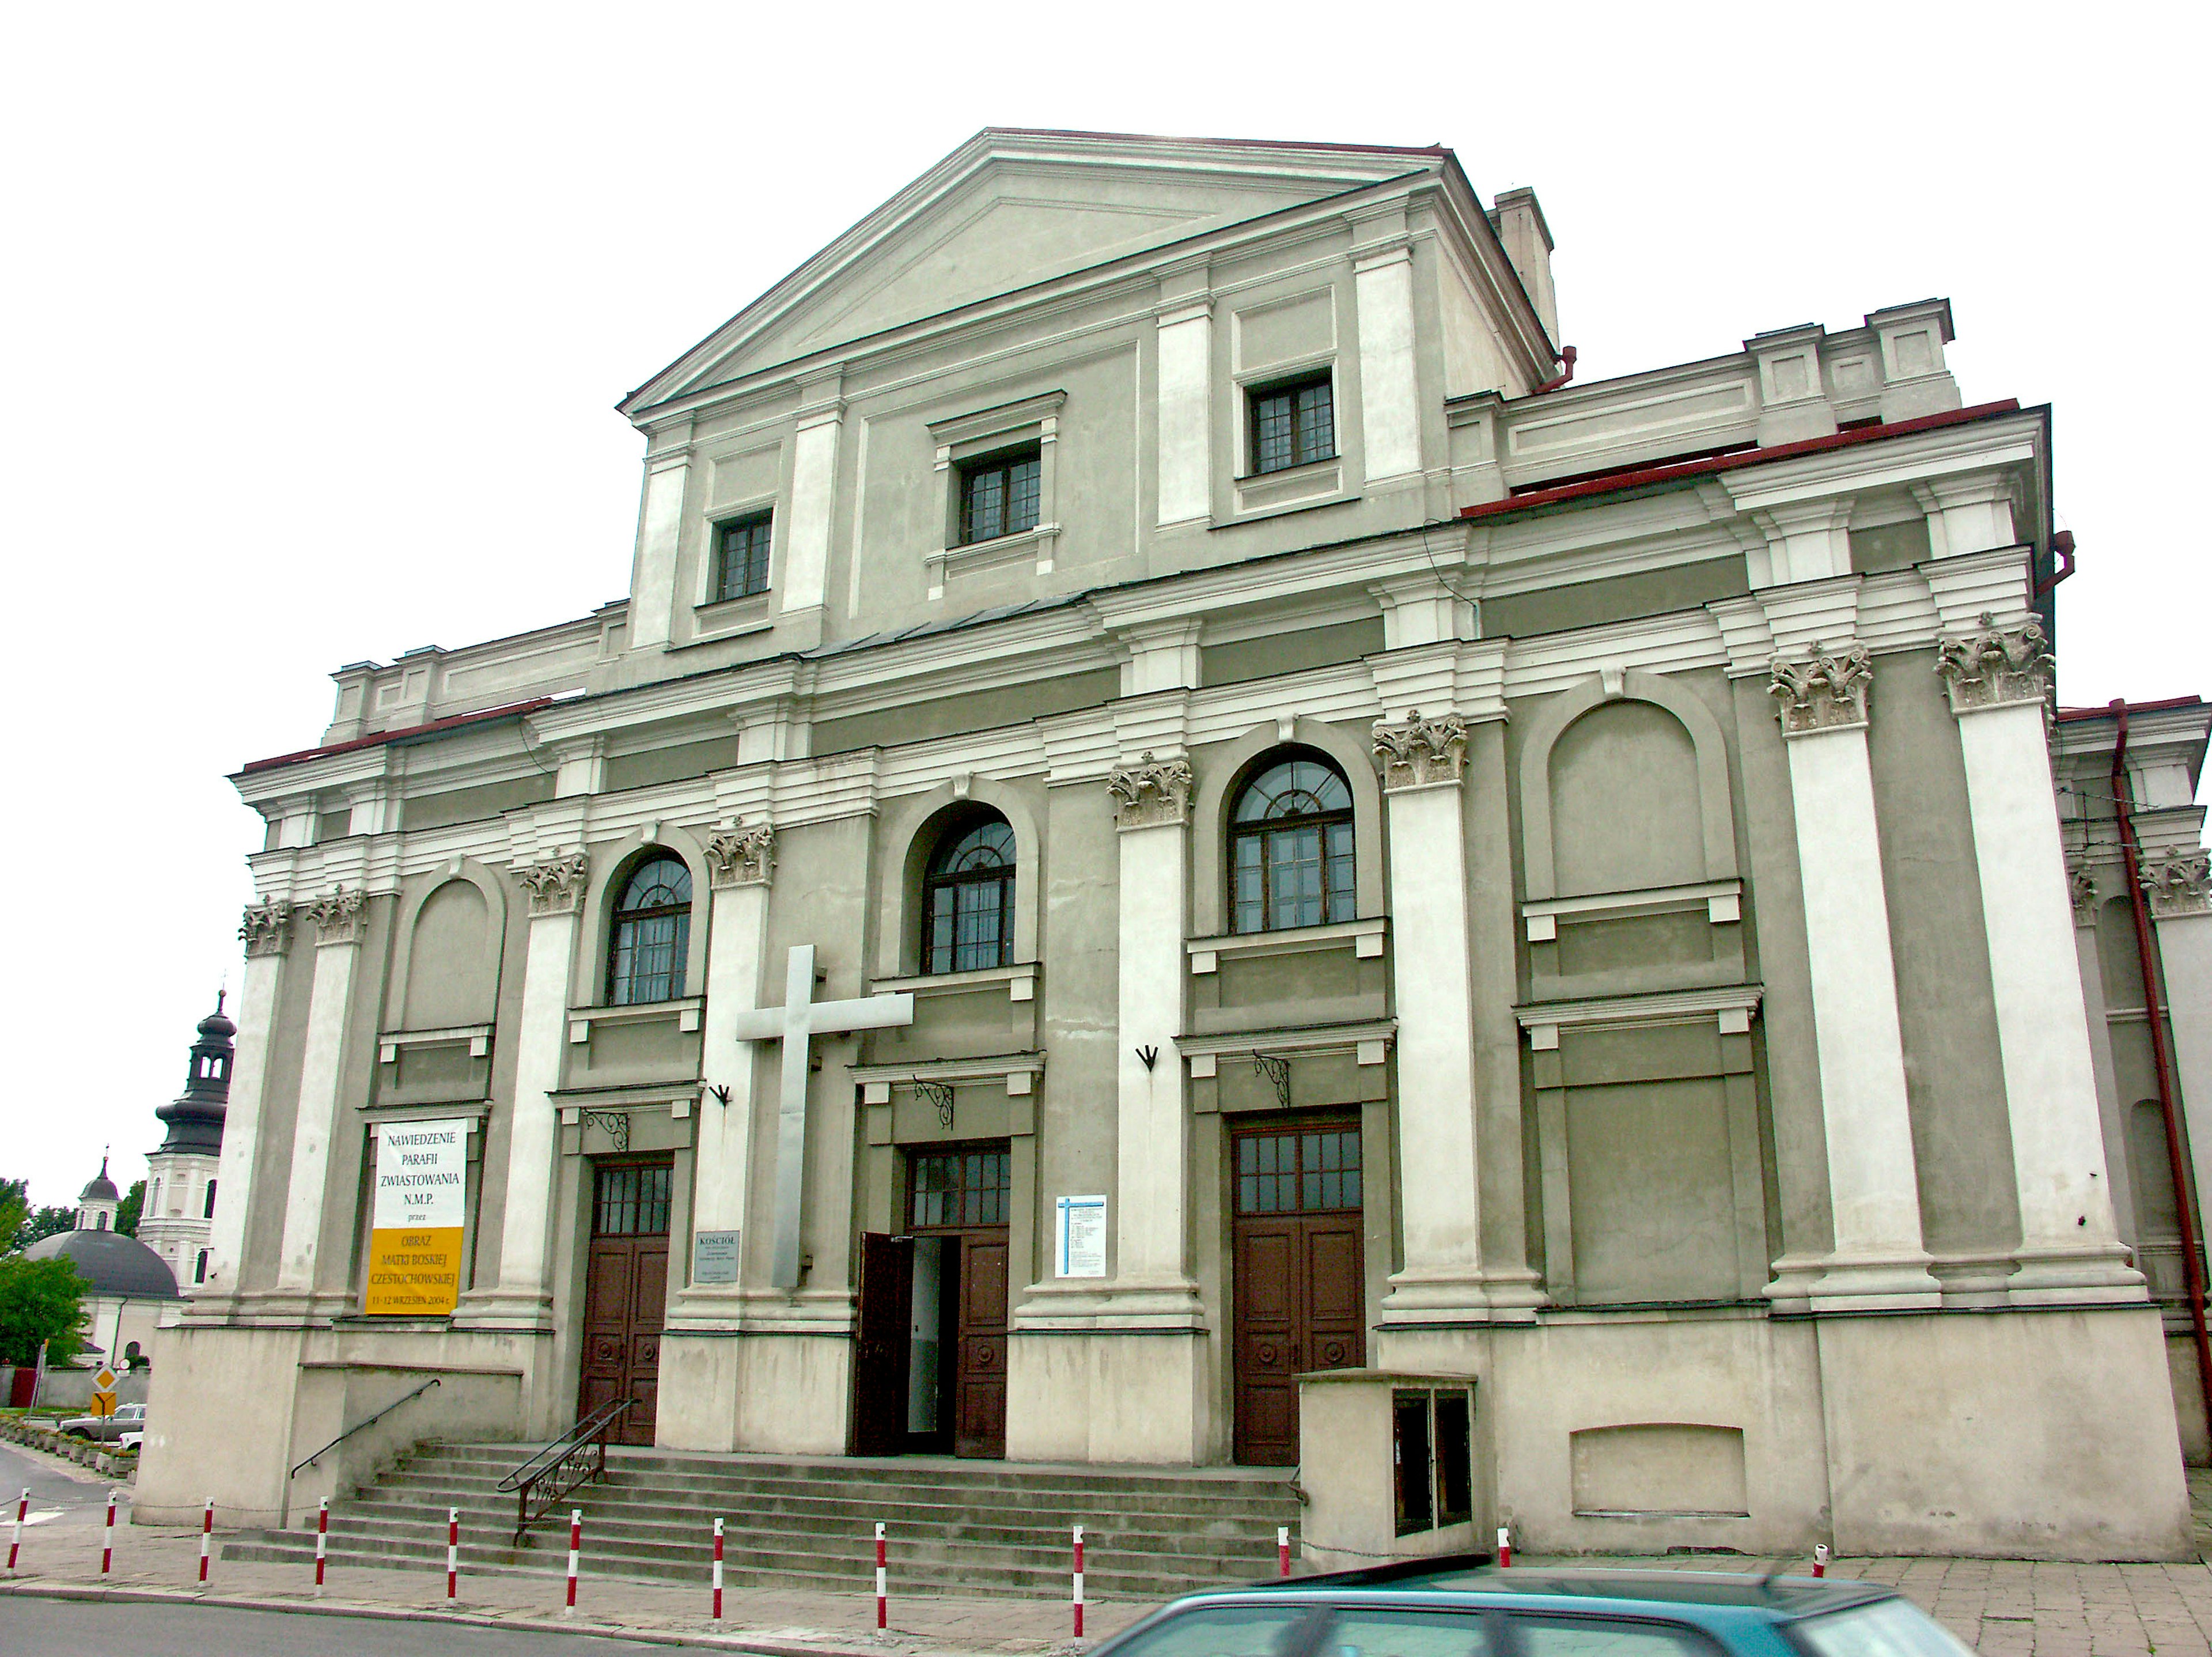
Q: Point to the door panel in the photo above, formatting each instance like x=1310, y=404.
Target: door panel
x=979, y=1386
x=880, y=1353
x=1299, y=1285
x=626, y=1295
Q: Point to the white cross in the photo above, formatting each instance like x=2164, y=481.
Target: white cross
x=794, y=1024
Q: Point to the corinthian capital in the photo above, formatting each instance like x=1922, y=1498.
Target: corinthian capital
x=2082, y=888
x=1825, y=691
x=742, y=856
x=1995, y=666
x=1149, y=792
x=266, y=928
x=556, y=886
x=1422, y=751
x=2179, y=883
x=340, y=917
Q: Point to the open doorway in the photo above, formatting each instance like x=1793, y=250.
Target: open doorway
x=931, y=1377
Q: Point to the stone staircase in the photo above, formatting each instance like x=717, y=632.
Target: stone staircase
x=989, y=1527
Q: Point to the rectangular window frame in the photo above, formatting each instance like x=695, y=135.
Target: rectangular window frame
x=970, y=444
x=759, y=527
x=1305, y=449
x=1010, y=503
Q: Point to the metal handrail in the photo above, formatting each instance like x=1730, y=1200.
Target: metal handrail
x=358, y=1425
x=576, y=1457
x=284, y=1515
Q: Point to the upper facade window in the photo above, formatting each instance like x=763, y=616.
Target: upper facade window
x=999, y=494
x=968, y=899
x=651, y=934
x=1290, y=848
x=1293, y=422
x=741, y=556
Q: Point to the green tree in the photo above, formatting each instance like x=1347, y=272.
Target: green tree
x=39, y=1306
x=43, y=1222
x=127, y=1211
x=15, y=1206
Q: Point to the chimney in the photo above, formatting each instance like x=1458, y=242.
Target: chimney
x=1519, y=221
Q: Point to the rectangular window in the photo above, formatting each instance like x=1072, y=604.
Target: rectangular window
x=632, y=1201
x=961, y=1188
x=741, y=556
x=999, y=494
x=1293, y=424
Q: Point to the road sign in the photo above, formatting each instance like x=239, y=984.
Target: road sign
x=103, y=1391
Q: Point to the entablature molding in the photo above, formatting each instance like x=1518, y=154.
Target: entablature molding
x=1728, y=1006
x=1368, y=1041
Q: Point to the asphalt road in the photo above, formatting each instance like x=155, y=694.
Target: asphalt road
x=52, y=1492
x=175, y=1630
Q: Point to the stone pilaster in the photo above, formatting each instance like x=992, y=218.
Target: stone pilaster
x=1998, y=679
x=1422, y=762
x=2178, y=883
x=522, y=1297
x=341, y=919
x=1879, y=1262
x=266, y=931
x=742, y=856
x=1152, y=816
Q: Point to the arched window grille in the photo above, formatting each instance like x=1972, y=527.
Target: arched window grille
x=968, y=899
x=651, y=934
x=1290, y=848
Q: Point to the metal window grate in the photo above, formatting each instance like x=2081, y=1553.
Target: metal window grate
x=741, y=556
x=1293, y=425
x=632, y=1200
x=961, y=1188
x=998, y=495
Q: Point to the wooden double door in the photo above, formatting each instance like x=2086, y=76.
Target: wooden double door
x=626, y=1294
x=1299, y=1274
x=930, y=1374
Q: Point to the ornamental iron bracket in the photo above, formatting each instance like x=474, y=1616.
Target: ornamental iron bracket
x=1276, y=1070
x=940, y=1094
x=615, y=1124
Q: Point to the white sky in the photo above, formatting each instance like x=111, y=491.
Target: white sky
x=311, y=321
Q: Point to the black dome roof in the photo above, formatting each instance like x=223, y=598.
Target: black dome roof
x=101, y=1189
x=111, y=1262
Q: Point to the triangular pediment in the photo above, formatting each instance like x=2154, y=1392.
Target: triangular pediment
x=1007, y=211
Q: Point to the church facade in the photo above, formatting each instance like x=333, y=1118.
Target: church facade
x=1173, y=806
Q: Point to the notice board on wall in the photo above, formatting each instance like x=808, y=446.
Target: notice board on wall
x=418, y=1214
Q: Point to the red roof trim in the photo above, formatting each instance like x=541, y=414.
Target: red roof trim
x=378, y=738
x=1645, y=476
x=2068, y=714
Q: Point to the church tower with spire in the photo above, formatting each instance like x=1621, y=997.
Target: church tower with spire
x=179, y=1216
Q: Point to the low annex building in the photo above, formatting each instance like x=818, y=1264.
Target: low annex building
x=1170, y=808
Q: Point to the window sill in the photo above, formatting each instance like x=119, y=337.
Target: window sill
x=685, y=1011
x=1723, y=901
x=1292, y=486
x=478, y=1036
x=1368, y=1042
x=728, y=618
x=1020, y=980
x=1730, y=1006
x=1028, y=546
x=1367, y=938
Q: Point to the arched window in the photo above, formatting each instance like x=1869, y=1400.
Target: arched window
x=208, y=1211
x=651, y=933
x=1290, y=848
x=968, y=898
x=200, y=1271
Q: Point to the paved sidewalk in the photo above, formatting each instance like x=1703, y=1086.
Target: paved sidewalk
x=2006, y=1608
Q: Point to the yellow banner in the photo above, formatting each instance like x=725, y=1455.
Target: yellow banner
x=414, y=1273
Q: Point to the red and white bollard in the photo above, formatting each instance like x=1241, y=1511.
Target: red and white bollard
x=1821, y=1560
x=1078, y=1581
x=206, y=1535
x=575, y=1550
x=883, y=1580
x=1504, y=1545
x=452, y=1552
x=322, y=1539
x=107, y=1541
x=22, y=1508
x=1283, y=1550
x=718, y=1570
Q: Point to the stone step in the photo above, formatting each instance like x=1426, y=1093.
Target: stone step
x=798, y=1569
x=677, y=1524
x=707, y=1493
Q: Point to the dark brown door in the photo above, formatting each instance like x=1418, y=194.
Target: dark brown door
x=962, y=1197
x=626, y=1294
x=1300, y=1283
x=879, y=1358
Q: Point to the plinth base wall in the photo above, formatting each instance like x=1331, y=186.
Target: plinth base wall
x=2188, y=1398
x=2042, y=1435
x=1106, y=1397
x=792, y=1394
x=234, y=1407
